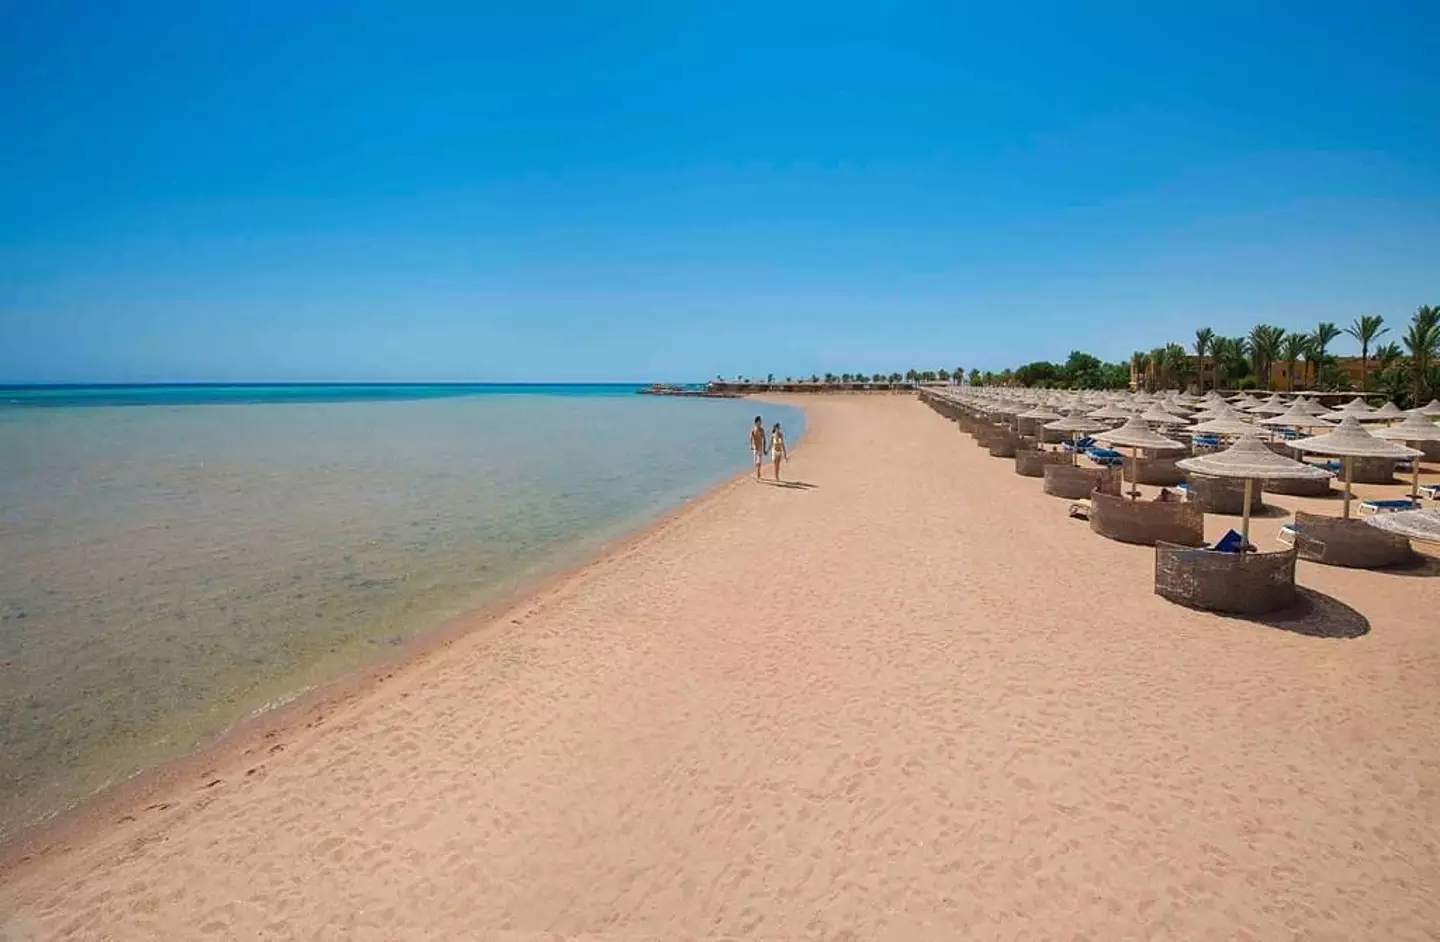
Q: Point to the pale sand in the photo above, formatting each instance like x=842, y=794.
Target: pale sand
x=914, y=702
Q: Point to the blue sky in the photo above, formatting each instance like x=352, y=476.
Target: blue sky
x=633, y=191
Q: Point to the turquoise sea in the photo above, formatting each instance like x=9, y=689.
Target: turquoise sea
x=175, y=558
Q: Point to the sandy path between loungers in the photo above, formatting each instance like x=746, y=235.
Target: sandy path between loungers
x=911, y=702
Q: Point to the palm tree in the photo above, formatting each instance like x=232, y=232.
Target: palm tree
x=1264, y=348
x=1223, y=351
x=1366, y=329
x=1157, y=368
x=944, y=376
x=1386, y=354
x=1204, y=337
x=1139, y=364
x=1423, y=342
x=1177, y=364
x=1325, y=334
x=1292, y=348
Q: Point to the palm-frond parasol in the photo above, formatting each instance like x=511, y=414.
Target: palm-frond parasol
x=1351, y=440
x=1251, y=459
x=1414, y=428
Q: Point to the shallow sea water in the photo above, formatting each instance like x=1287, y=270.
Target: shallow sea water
x=167, y=569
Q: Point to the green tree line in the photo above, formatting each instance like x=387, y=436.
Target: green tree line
x=1405, y=372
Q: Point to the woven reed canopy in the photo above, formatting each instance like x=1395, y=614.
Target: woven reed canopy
x=1223, y=424
x=1136, y=434
x=1110, y=411
x=1356, y=406
x=1431, y=408
x=1042, y=413
x=1350, y=439
x=1413, y=524
x=1415, y=428
x=1075, y=423
x=1158, y=415
x=1251, y=458
x=1390, y=411
x=1296, y=417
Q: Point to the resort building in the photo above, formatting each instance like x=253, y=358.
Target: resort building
x=1202, y=375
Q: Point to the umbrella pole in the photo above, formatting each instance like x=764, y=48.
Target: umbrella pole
x=1245, y=519
x=1415, y=479
x=1345, y=513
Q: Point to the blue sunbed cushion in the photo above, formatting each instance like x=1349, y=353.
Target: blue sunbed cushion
x=1229, y=543
x=1397, y=502
x=1105, y=453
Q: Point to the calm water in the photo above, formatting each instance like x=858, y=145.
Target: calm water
x=169, y=564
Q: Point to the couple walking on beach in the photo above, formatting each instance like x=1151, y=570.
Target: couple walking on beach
x=759, y=447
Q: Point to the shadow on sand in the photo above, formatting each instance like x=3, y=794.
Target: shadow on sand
x=1317, y=615
x=793, y=485
x=1419, y=566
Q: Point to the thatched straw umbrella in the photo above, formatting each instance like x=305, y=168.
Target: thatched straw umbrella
x=1351, y=440
x=1390, y=411
x=1269, y=407
x=1135, y=434
x=1110, y=411
x=1159, y=415
x=1248, y=458
x=1228, y=425
x=1296, y=417
x=1415, y=429
x=1431, y=408
x=1411, y=524
x=1357, y=406
x=1076, y=425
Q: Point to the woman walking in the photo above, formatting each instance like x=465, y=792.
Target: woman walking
x=777, y=449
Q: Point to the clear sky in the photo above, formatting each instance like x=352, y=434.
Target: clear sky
x=636, y=191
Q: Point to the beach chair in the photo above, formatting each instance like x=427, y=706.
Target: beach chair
x=1334, y=466
x=1387, y=506
x=1230, y=543
x=1287, y=533
x=1429, y=491
x=1290, y=434
x=1080, y=509
x=1183, y=490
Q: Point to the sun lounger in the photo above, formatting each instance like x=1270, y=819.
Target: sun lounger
x=1082, y=445
x=1080, y=509
x=1287, y=533
x=1105, y=453
x=1230, y=543
x=1387, y=506
x=1430, y=491
x=1333, y=466
x=1184, y=491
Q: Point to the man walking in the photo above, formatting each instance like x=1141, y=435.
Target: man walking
x=757, y=445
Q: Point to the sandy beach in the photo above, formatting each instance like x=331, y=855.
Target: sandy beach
x=907, y=700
